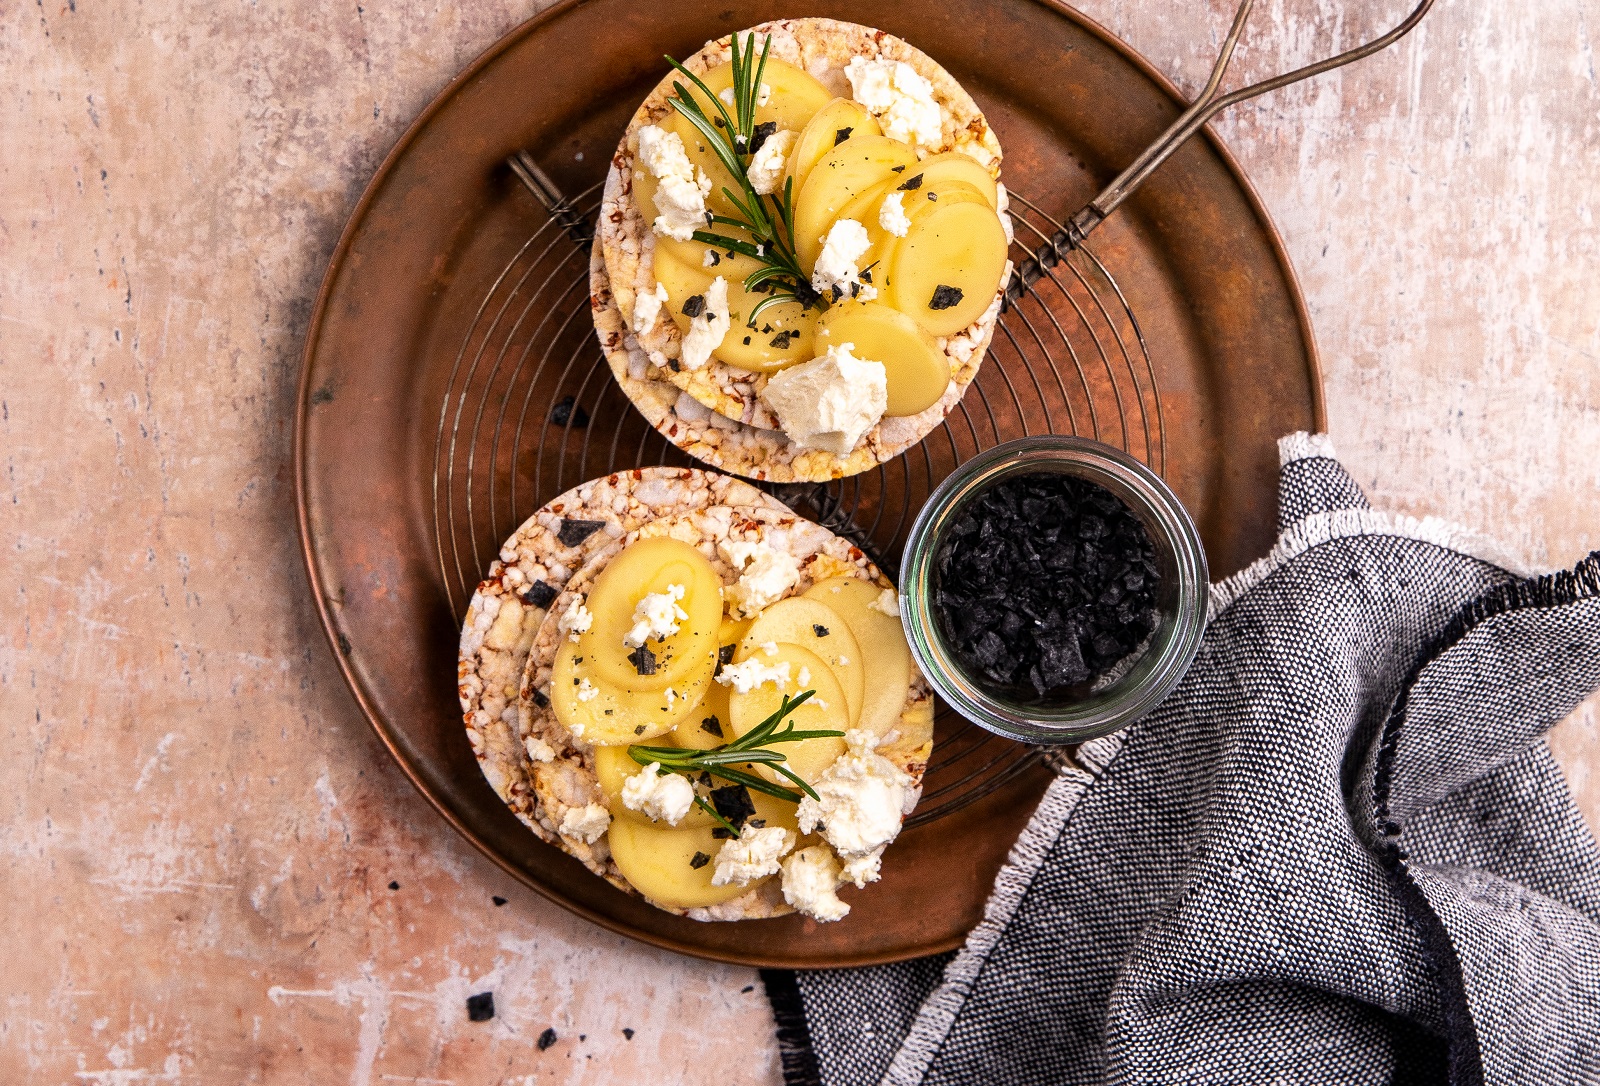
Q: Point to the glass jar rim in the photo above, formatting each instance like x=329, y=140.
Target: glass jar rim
x=1172, y=647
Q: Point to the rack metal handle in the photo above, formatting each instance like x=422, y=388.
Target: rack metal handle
x=1205, y=106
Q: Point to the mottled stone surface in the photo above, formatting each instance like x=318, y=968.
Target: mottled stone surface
x=199, y=832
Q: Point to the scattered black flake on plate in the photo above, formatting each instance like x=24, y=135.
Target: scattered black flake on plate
x=896, y=169
x=1045, y=581
x=945, y=297
x=748, y=988
x=911, y=184
x=638, y=729
x=643, y=660
x=498, y=900
x=574, y=532
x=539, y=594
x=568, y=411
x=819, y=629
x=699, y=860
x=628, y=1033
x=747, y=341
x=756, y=823
x=546, y=1039
x=694, y=305
x=724, y=657
x=760, y=134
x=712, y=726
x=841, y=134
x=394, y=886
x=933, y=196
x=781, y=340
x=539, y=698
x=715, y=259
x=672, y=364
x=766, y=329
x=733, y=803
x=480, y=1007
x=704, y=778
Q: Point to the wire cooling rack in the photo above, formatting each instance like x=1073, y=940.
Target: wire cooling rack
x=531, y=410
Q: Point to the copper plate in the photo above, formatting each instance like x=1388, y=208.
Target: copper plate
x=1199, y=261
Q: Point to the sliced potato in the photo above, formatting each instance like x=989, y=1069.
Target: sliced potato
x=842, y=174
x=812, y=625
x=918, y=372
x=695, y=733
x=781, y=338
x=796, y=98
x=821, y=135
x=658, y=860
x=827, y=709
x=953, y=247
x=651, y=566
x=607, y=715
x=883, y=645
x=955, y=166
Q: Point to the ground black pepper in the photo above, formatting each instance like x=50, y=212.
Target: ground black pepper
x=1044, y=582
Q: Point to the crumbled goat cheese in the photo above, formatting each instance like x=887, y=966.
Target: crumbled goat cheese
x=769, y=647
x=754, y=854
x=539, y=750
x=829, y=403
x=805, y=677
x=862, y=795
x=811, y=880
x=901, y=99
x=710, y=260
x=672, y=698
x=585, y=823
x=706, y=331
x=587, y=691
x=657, y=616
x=647, y=308
x=892, y=214
x=887, y=603
x=749, y=674
x=836, y=269
x=766, y=167
x=767, y=574
x=665, y=797
x=681, y=190
x=576, y=619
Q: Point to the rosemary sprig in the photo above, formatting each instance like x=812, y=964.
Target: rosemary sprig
x=769, y=219
x=751, y=748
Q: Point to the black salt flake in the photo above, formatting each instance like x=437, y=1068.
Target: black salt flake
x=699, y=860
x=539, y=594
x=480, y=1007
x=694, y=305
x=574, y=532
x=841, y=134
x=945, y=297
x=546, y=1039
x=910, y=184
x=569, y=412
x=643, y=660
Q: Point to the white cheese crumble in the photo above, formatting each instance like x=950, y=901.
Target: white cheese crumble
x=829, y=403
x=665, y=797
x=805, y=677
x=587, y=691
x=672, y=698
x=836, y=269
x=901, y=99
x=749, y=674
x=647, y=308
x=710, y=260
x=892, y=214
x=539, y=750
x=862, y=799
x=811, y=880
x=766, y=574
x=585, y=823
x=754, y=854
x=766, y=167
x=657, y=615
x=576, y=619
x=769, y=647
x=1003, y=206
x=681, y=190
x=706, y=331
x=887, y=603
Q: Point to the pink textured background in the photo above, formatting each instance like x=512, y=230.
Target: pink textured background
x=198, y=829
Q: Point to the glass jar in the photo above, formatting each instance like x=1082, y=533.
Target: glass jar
x=1181, y=599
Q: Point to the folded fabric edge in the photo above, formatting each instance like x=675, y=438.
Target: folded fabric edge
x=1558, y=589
x=1074, y=778
x=795, y=1053
x=1304, y=445
x=1321, y=528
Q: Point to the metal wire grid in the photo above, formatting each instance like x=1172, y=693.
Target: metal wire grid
x=530, y=410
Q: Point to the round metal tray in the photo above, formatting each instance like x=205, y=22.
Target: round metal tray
x=453, y=318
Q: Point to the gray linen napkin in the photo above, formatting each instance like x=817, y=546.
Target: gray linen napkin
x=1340, y=852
